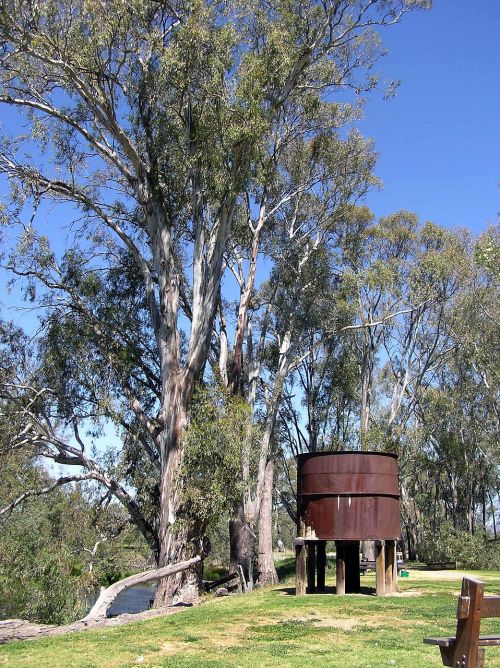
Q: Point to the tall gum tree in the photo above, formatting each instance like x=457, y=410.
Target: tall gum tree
x=317, y=181
x=149, y=118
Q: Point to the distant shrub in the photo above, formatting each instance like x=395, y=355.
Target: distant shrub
x=447, y=544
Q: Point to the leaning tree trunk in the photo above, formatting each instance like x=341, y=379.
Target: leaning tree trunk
x=267, y=570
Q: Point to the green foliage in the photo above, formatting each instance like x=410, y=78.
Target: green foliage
x=448, y=544
x=487, y=251
x=36, y=566
x=220, y=429
x=56, y=548
x=218, y=532
x=46, y=565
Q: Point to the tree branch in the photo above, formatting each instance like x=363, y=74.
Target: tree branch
x=44, y=490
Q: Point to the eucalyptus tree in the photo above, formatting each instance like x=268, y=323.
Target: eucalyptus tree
x=327, y=384
x=436, y=273
x=460, y=410
x=462, y=446
x=475, y=319
x=303, y=314
x=320, y=178
x=376, y=260
x=317, y=181
x=440, y=386
x=146, y=122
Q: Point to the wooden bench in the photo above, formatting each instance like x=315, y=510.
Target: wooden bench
x=441, y=565
x=466, y=649
x=365, y=565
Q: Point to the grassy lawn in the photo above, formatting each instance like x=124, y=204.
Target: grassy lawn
x=273, y=628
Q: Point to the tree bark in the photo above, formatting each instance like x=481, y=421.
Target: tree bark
x=368, y=550
x=411, y=522
x=267, y=570
x=366, y=371
x=184, y=586
x=178, y=535
x=241, y=539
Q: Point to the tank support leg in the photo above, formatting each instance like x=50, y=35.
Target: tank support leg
x=321, y=565
x=311, y=568
x=390, y=566
x=340, y=570
x=380, y=566
x=300, y=567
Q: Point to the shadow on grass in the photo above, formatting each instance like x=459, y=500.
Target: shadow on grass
x=286, y=567
x=365, y=591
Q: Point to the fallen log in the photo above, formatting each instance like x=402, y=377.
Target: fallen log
x=20, y=629
x=212, y=584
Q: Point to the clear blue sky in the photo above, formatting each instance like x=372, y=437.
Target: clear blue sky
x=439, y=138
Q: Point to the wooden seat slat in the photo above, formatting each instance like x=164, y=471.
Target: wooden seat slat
x=484, y=641
x=491, y=606
x=442, y=642
x=489, y=641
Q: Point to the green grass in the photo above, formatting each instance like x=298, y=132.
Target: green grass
x=273, y=628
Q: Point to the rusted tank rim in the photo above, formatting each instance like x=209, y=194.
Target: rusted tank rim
x=335, y=453
x=348, y=473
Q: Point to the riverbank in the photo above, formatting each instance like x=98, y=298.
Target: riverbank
x=273, y=628
x=19, y=629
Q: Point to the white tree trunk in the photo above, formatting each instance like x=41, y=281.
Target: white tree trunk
x=267, y=570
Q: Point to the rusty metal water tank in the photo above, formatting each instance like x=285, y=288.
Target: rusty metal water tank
x=348, y=496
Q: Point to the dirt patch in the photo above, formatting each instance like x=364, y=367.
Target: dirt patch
x=228, y=640
x=437, y=575
x=173, y=647
x=343, y=624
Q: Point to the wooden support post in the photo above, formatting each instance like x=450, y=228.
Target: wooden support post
x=380, y=567
x=466, y=652
x=340, y=570
x=300, y=567
x=321, y=565
x=390, y=566
x=311, y=568
x=395, y=572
